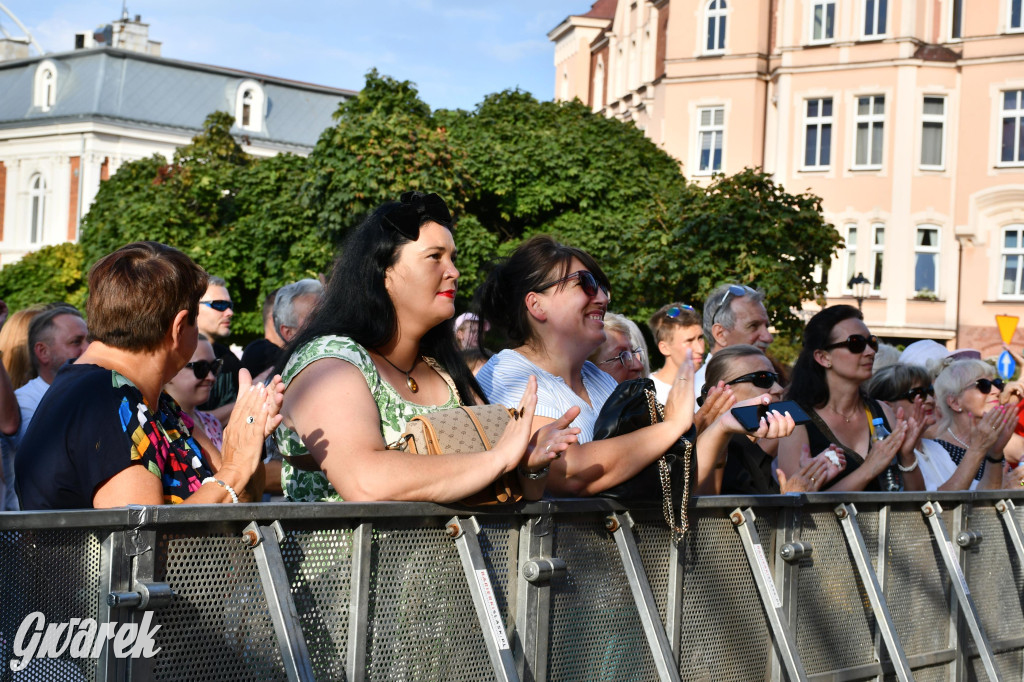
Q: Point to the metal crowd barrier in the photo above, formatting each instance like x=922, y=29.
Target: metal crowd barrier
x=925, y=586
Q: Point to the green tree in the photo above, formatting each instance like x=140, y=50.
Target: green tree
x=53, y=273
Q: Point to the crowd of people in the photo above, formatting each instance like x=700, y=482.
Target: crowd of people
x=143, y=401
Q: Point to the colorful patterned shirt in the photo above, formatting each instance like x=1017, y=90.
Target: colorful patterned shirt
x=395, y=411
x=92, y=424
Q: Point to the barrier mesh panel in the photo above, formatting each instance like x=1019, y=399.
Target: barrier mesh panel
x=595, y=631
x=319, y=565
x=834, y=625
x=994, y=577
x=1008, y=664
x=654, y=539
x=56, y=572
x=724, y=632
x=423, y=622
x=218, y=627
x=917, y=585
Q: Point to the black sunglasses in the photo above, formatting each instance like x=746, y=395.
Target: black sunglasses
x=626, y=357
x=677, y=310
x=762, y=379
x=855, y=343
x=203, y=367
x=587, y=282
x=413, y=210
x=985, y=385
x=918, y=391
x=219, y=306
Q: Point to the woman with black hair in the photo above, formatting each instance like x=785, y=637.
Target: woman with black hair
x=836, y=360
x=379, y=349
x=550, y=300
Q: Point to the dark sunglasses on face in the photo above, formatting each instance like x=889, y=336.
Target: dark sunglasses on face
x=855, y=343
x=587, y=282
x=918, y=391
x=985, y=385
x=626, y=357
x=219, y=306
x=677, y=310
x=762, y=379
x=414, y=210
x=203, y=367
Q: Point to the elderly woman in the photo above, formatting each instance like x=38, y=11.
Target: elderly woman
x=105, y=434
x=550, y=300
x=741, y=462
x=621, y=355
x=973, y=427
x=379, y=350
x=836, y=360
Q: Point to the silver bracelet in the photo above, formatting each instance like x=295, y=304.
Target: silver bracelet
x=222, y=484
x=534, y=475
x=910, y=468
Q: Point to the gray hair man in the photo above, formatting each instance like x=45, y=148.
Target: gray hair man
x=56, y=335
x=733, y=314
x=293, y=304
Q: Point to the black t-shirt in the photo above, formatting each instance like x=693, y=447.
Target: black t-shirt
x=748, y=469
x=225, y=388
x=259, y=355
x=92, y=424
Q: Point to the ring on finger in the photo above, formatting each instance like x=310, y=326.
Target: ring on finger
x=250, y=419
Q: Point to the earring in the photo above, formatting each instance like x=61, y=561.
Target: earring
x=829, y=365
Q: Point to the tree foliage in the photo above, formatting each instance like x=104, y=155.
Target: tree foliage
x=511, y=168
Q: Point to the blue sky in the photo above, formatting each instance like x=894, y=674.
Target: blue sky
x=456, y=51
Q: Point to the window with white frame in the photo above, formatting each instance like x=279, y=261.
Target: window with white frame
x=818, y=133
x=823, y=21
x=851, y=255
x=870, y=126
x=1014, y=20
x=44, y=93
x=1012, y=144
x=715, y=26
x=1013, y=260
x=249, y=106
x=933, y=133
x=599, y=85
x=926, y=259
x=874, y=17
x=956, y=19
x=37, y=208
x=710, y=133
x=877, y=254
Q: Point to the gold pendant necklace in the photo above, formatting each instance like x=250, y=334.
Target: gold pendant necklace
x=409, y=381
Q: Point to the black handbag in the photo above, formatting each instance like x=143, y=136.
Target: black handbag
x=631, y=406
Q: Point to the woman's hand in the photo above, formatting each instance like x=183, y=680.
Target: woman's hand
x=514, y=441
x=1013, y=477
x=773, y=425
x=915, y=427
x=679, y=405
x=718, y=401
x=1005, y=427
x=254, y=417
x=987, y=434
x=881, y=453
x=550, y=441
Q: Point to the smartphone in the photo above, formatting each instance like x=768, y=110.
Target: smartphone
x=749, y=416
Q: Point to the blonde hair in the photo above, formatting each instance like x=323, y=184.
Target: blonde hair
x=615, y=322
x=956, y=378
x=14, y=346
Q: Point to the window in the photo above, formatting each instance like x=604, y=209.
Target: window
x=818, y=133
x=870, y=121
x=956, y=19
x=933, y=125
x=716, y=26
x=1013, y=260
x=599, y=85
x=709, y=138
x=823, y=21
x=851, y=254
x=874, y=17
x=1013, y=127
x=37, y=208
x=926, y=259
x=44, y=94
x=878, y=251
x=249, y=106
x=1014, y=20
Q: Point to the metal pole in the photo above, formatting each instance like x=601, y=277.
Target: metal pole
x=533, y=601
x=359, y=601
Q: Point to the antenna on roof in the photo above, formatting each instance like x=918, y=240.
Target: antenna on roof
x=124, y=10
x=28, y=36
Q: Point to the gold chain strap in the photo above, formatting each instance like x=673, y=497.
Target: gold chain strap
x=658, y=415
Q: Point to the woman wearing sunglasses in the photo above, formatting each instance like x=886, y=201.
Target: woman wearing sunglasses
x=744, y=460
x=828, y=377
x=550, y=301
x=190, y=388
x=974, y=427
x=380, y=349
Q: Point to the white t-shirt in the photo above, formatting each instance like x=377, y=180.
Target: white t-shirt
x=937, y=466
x=698, y=380
x=28, y=397
x=661, y=389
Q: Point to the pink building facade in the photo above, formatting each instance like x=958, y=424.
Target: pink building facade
x=905, y=116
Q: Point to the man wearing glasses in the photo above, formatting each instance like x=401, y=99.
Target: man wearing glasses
x=215, y=313
x=733, y=314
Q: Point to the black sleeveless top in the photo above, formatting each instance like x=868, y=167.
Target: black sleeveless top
x=820, y=436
